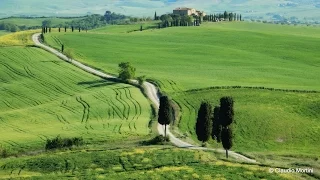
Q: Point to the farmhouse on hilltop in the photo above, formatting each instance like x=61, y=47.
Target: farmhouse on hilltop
x=188, y=11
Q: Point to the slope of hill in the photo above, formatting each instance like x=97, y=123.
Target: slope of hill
x=140, y=163
x=224, y=54
x=43, y=97
x=212, y=55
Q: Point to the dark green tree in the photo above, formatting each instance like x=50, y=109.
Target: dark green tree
x=79, y=29
x=47, y=23
x=126, y=71
x=216, y=126
x=59, y=29
x=204, y=122
x=65, y=29
x=46, y=29
x=50, y=30
x=141, y=28
x=225, y=15
x=165, y=113
x=72, y=28
x=240, y=17
x=226, y=138
x=62, y=48
x=226, y=111
x=230, y=16
x=234, y=16
x=155, y=15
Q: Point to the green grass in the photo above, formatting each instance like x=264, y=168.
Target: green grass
x=248, y=54
x=42, y=97
x=3, y=32
x=265, y=121
x=142, y=163
x=126, y=28
x=224, y=54
x=37, y=21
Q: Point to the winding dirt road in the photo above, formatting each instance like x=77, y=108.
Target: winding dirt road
x=152, y=94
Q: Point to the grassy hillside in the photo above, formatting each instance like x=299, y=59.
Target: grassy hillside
x=36, y=21
x=42, y=97
x=210, y=55
x=3, y=33
x=142, y=163
x=282, y=122
x=126, y=28
x=224, y=54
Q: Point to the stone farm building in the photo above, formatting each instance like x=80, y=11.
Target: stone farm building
x=188, y=11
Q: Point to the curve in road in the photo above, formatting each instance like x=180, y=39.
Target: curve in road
x=152, y=94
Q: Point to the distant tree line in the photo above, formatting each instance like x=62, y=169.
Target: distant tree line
x=9, y=27
x=169, y=20
x=226, y=16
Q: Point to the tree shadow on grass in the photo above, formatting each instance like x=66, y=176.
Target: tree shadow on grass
x=97, y=83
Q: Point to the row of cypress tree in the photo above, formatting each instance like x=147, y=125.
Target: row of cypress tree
x=211, y=122
x=216, y=122
x=46, y=29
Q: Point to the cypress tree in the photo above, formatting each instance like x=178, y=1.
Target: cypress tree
x=159, y=26
x=234, y=16
x=79, y=29
x=204, y=122
x=65, y=29
x=141, y=28
x=72, y=28
x=165, y=113
x=46, y=29
x=226, y=111
x=240, y=17
x=50, y=30
x=226, y=138
x=62, y=48
x=155, y=15
x=216, y=126
x=225, y=15
x=59, y=29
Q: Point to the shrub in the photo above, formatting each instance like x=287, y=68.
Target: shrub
x=58, y=142
x=141, y=80
x=160, y=139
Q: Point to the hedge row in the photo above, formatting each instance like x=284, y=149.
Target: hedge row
x=248, y=87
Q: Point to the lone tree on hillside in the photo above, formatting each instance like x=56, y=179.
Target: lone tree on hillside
x=155, y=15
x=72, y=28
x=226, y=138
x=165, y=113
x=226, y=111
x=126, y=71
x=65, y=29
x=141, y=28
x=204, y=122
x=216, y=126
x=62, y=48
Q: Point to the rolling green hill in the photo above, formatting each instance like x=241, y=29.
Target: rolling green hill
x=42, y=97
x=265, y=120
x=211, y=55
x=224, y=54
x=140, y=163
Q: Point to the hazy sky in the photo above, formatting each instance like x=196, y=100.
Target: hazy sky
x=146, y=7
